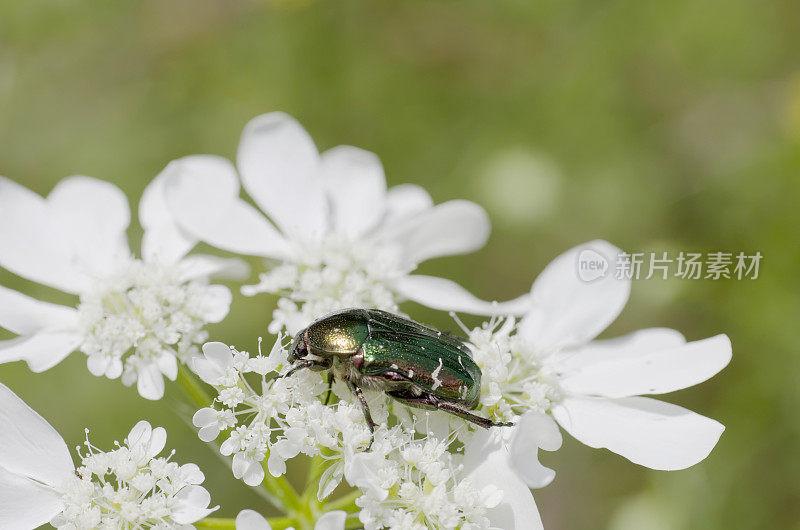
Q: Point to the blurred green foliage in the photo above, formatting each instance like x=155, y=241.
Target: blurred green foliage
x=662, y=125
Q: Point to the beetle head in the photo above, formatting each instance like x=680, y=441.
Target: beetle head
x=299, y=347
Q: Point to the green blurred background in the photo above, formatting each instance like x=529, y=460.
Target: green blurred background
x=661, y=125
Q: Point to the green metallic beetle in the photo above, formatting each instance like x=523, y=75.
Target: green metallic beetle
x=414, y=364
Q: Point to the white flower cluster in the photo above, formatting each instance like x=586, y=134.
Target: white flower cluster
x=514, y=379
x=329, y=275
x=408, y=481
x=418, y=484
x=332, y=234
x=135, y=318
x=129, y=487
x=547, y=362
x=280, y=418
x=141, y=321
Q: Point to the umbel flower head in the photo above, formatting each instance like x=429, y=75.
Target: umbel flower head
x=547, y=362
x=125, y=488
x=135, y=318
x=332, y=233
x=410, y=479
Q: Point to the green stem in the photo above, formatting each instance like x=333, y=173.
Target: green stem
x=277, y=523
x=281, y=488
x=346, y=503
x=194, y=390
x=309, y=495
x=353, y=522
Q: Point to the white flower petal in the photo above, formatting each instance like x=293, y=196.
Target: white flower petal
x=356, y=185
x=22, y=314
x=630, y=345
x=218, y=353
x=33, y=244
x=29, y=446
x=329, y=480
x=254, y=474
x=204, y=416
x=486, y=463
x=157, y=442
x=209, y=433
x=95, y=216
x=446, y=295
x=333, y=520
x=648, y=432
x=192, y=473
x=98, y=364
x=404, y=201
x=42, y=350
x=567, y=311
x=150, y=382
x=25, y=504
x=163, y=238
x=453, y=227
x=279, y=166
x=191, y=505
x=533, y=431
x=360, y=472
x=206, y=370
x=216, y=303
x=204, y=199
x=645, y=371
x=204, y=265
x=168, y=365
x=251, y=520
x=139, y=436
x=276, y=465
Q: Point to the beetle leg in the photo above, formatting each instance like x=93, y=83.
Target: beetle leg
x=365, y=408
x=307, y=363
x=330, y=388
x=299, y=366
x=429, y=401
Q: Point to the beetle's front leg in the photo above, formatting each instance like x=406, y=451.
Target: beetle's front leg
x=365, y=408
x=307, y=363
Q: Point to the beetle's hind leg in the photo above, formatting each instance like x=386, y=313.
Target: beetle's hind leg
x=365, y=408
x=427, y=401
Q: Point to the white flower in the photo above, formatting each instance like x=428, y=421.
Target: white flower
x=278, y=419
x=252, y=520
x=420, y=484
x=409, y=480
x=135, y=318
x=506, y=459
x=128, y=487
x=549, y=363
x=335, y=237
